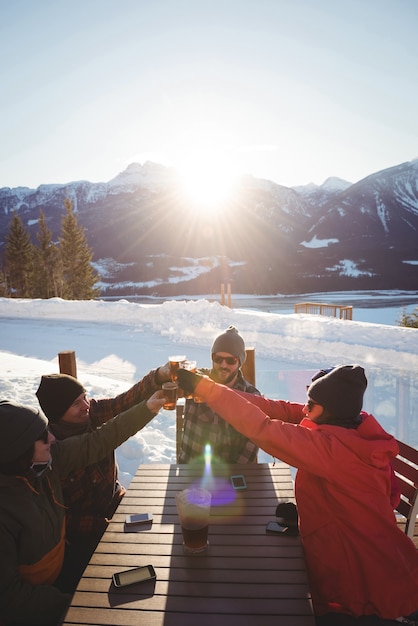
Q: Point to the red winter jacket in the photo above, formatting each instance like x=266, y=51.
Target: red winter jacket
x=359, y=562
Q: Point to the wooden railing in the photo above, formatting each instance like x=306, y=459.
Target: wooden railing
x=344, y=312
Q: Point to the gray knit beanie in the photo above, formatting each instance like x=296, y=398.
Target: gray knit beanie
x=340, y=391
x=20, y=427
x=231, y=342
x=56, y=393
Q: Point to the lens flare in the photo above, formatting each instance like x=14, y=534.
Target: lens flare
x=208, y=459
x=224, y=498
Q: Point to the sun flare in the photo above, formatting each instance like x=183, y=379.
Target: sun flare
x=207, y=182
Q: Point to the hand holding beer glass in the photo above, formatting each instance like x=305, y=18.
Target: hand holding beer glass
x=193, y=508
x=191, y=367
x=175, y=362
x=170, y=391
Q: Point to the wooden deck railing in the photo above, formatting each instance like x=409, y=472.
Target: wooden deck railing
x=316, y=308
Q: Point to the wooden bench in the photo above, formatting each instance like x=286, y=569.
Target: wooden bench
x=405, y=466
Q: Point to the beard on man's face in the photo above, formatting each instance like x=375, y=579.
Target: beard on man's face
x=223, y=376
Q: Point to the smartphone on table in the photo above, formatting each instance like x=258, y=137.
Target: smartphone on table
x=275, y=527
x=138, y=518
x=132, y=576
x=238, y=482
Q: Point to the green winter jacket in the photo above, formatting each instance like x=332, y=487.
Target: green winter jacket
x=32, y=518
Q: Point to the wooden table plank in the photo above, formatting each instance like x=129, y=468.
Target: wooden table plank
x=247, y=576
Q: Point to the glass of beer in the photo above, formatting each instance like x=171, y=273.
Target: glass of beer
x=193, y=508
x=170, y=391
x=191, y=367
x=175, y=362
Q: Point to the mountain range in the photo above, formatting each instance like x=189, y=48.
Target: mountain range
x=148, y=239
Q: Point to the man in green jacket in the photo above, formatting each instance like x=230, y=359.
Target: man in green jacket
x=91, y=494
x=32, y=510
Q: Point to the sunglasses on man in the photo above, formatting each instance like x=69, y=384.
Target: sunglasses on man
x=229, y=360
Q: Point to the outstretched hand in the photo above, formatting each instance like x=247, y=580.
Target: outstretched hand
x=164, y=373
x=156, y=401
x=188, y=381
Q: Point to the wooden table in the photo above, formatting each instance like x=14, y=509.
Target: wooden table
x=247, y=578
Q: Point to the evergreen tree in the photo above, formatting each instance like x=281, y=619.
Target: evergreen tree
x=4, y=292
x=47, y=266
x=409, y=320
x=19, y=259
x=79, y=277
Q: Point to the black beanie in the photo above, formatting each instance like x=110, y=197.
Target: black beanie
x=20, y=427
x=340, y=391
x=56, y=393
x=231, y=342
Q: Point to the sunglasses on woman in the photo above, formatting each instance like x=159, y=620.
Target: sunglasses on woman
x=229, y=360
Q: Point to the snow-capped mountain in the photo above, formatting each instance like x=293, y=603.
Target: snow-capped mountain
x=268, y=239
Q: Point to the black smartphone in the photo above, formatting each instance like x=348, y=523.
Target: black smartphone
x=275, y=527
x=138, y=518
x=238, y=481
x=132, y=576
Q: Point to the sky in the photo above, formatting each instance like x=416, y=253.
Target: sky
x=294, y=91
x=117, y=343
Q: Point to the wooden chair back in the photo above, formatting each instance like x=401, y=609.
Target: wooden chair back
x=405, y=466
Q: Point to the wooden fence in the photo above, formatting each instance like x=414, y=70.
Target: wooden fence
x=344, y=312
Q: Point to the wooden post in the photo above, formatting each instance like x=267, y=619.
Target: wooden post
x=248, y=369
x=179, y=428
x=67, y=363
x=229, y=294
x=222, y=294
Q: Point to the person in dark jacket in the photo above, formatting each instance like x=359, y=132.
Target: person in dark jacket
x=91, y=494
x=32, y=508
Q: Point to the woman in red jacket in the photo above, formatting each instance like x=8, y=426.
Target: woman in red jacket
x=359, y=562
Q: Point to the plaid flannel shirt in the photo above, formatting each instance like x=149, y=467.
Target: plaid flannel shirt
x=202, y=426
x=93, y=493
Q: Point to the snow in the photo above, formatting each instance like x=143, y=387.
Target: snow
x=318, y=243
x=117, y=343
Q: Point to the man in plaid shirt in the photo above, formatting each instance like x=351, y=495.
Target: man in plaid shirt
x=201, y=425
x=93, y=493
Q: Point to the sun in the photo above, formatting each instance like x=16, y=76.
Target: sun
x=207, y=181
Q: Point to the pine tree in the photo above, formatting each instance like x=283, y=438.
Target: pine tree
x=410, y=320
x=19, y=260
x=48, y=265
x=79, y=278
x=4, y=292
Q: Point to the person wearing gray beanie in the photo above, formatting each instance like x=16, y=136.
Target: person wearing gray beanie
x=203, y=426
x=230, y=341
x=35, y=586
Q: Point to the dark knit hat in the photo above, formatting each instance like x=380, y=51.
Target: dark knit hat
x=20, y=427
x=340, y=391
x=321, y=373
x=56, y=393
x=230, y=341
